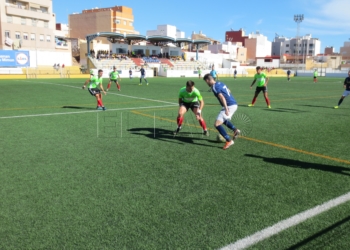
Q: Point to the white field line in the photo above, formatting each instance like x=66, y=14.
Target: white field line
x=287, y=223
x=81, y=112
x=134, y=97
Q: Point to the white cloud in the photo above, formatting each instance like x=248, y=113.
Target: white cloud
x=229, y=23
x=327, y=17
x=259, y=22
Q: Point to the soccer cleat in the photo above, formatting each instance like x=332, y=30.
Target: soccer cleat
x=147, y=84
x=104, y=108
x=250, y=105
x=206, y=132
x=228, y=144
x=107, y=90
x=140, y=84
x=336, y=107
x=236, y=133
x=269, y=106
x=99, y=108
x=177, y=130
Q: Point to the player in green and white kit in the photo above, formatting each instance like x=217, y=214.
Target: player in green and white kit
x=94, y=81
x=315, y=75
x=190, y=98
x=113, y=77
x=261, y=81
x=199, y=72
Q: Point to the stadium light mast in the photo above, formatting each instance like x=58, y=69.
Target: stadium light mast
x=298, y=19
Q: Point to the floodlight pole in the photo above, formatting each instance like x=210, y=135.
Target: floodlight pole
x=298, y=19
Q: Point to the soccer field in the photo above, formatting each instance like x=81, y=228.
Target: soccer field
x=72, y=177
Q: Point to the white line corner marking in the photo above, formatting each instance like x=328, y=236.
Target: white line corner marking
x=285, y=224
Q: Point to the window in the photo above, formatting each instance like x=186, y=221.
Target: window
x=287, y=51
x=25, y=36
x=34, y=22
x=9, y=19
x=32, y=37
x=43, y=9
x=41, y=37
x=310, y=51
x=124, y=22
x=46, y=24
x=287, y=45
x=48, y=38
x=7, y=33
x=18, y=35
x=130, y=23
x=311, y=45
x=23, y=21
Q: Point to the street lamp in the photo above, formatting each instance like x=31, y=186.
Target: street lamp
x=298, y=19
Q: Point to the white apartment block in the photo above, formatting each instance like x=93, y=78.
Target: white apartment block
x=257, y=45
x=304, y=46
x=166, y=30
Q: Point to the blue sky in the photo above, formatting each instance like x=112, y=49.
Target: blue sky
x=328, y=20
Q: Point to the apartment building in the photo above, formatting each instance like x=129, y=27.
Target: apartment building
x=27, y=24
x=114, y=19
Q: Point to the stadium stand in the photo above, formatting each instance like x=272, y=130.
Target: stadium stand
x=166, y=62
x=151, y=60
x=188, y=65
x=138, y=61
x=120, y=64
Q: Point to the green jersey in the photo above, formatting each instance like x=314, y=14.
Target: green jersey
x=94, y=81
x=114, y=75
x=260, y=79
x=315, y=74
x=199, y=71
x=194, y=96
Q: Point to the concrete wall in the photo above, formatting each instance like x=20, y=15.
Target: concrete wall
x=49, y=58
x=274, y=64
x=125, y=73
x=194, y=73
x=208, y=58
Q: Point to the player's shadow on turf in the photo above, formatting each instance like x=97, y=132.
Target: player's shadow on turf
x=168, y=136
x=303, y=164
x=285, y=110
x=316, y=106
x=76, y=107
x=336, y=231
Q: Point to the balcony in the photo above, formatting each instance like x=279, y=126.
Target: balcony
x=23, y=11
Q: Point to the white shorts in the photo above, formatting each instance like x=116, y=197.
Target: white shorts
x=223, y=117
x=346, y=93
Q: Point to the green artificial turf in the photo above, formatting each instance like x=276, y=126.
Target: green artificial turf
x=75, y=178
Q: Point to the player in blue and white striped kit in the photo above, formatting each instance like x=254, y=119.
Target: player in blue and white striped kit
x=229, y=107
